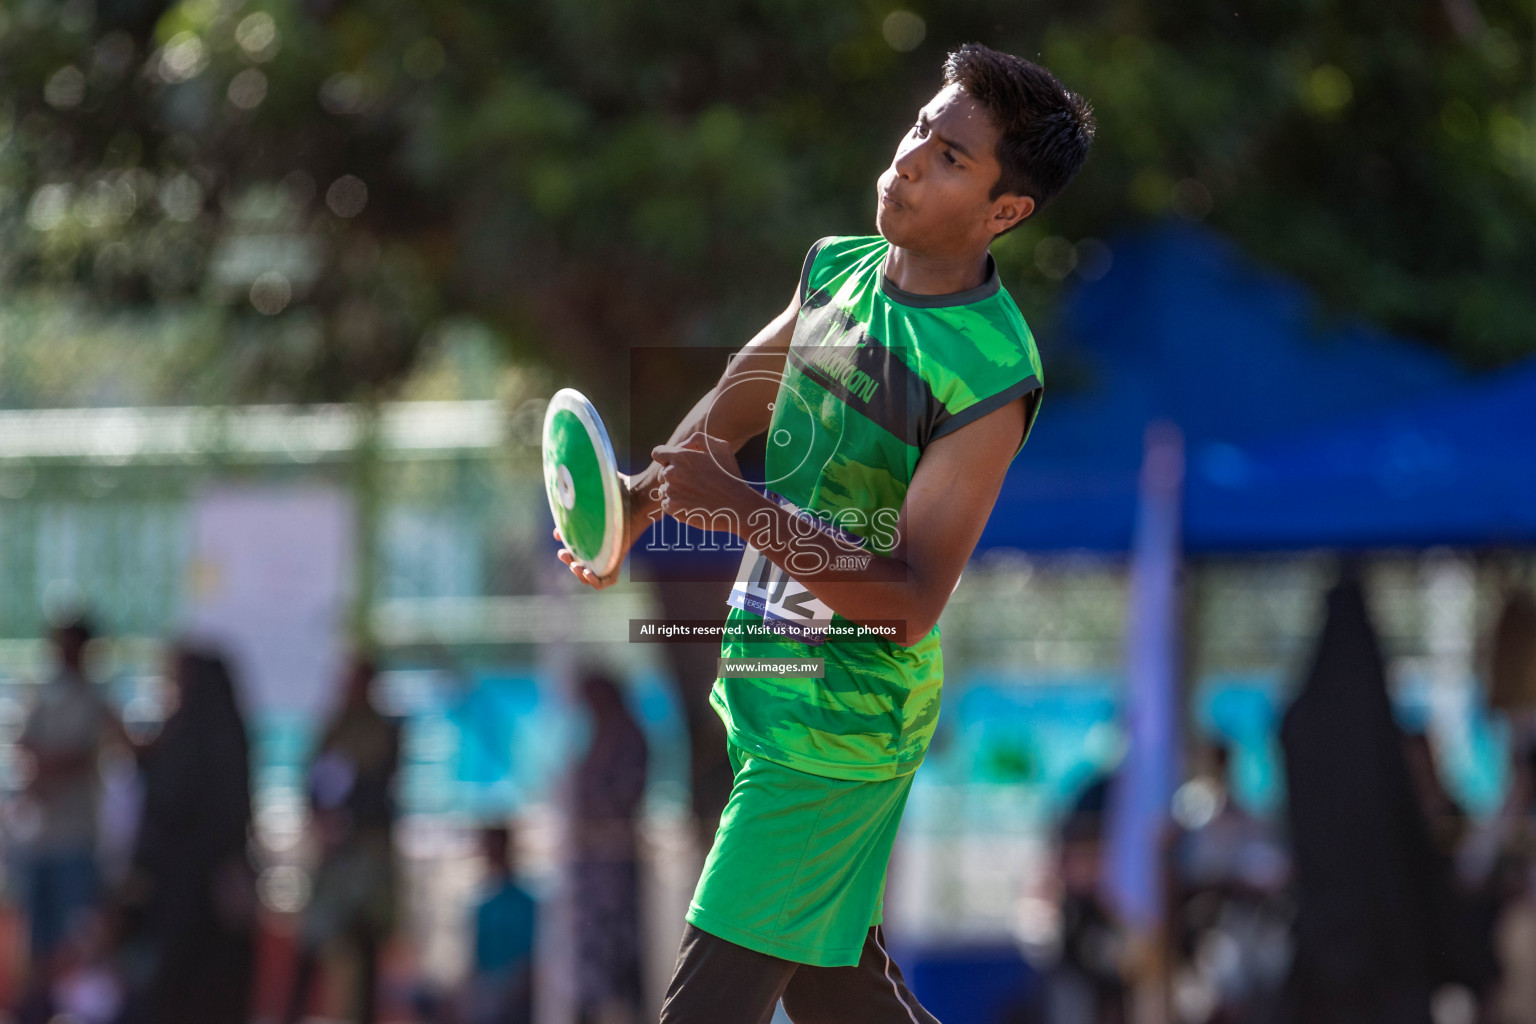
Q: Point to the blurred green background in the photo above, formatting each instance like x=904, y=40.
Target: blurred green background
x=297, y=201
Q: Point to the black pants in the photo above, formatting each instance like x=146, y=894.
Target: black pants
x=719, y=982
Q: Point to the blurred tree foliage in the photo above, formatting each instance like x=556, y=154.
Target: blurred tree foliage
x=337, y=177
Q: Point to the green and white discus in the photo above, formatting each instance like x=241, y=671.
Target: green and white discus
x=581, y=478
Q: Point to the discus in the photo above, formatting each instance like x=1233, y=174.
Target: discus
x=581, y=479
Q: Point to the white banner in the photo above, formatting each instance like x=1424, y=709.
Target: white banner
x=272, y=578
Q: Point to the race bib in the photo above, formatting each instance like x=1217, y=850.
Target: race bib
x=765, y=589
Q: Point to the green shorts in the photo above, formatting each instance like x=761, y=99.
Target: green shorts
x=798, y=866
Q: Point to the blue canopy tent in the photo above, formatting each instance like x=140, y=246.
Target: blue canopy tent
x=1185, y=327
x=1452, y=469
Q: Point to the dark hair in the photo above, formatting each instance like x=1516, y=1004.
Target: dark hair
x=496, y=845
x=203, y=670
x=75, y=626
x=600, y=690
x=1043, y=128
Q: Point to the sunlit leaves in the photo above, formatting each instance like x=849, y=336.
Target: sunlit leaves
x=589, y=173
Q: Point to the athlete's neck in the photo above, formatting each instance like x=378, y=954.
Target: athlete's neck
x=923, y=274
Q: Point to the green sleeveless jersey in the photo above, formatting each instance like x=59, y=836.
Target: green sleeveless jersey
x=873, y=375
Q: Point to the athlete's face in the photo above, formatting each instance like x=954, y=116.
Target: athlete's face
x=936, y=195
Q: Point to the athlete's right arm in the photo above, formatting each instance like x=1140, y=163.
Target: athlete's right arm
x=736, y=409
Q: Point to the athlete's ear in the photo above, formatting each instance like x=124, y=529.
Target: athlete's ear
x=1007, y=210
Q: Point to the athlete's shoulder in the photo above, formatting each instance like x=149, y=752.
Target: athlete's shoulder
x=980, y=357
x=834, y=258
x=851, y=246
x=987, y=335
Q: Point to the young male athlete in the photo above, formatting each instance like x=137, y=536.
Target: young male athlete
x=896, y=387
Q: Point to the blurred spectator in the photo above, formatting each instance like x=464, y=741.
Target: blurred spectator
x=1232, y=923
x=608, y=786
x=1448, y=823
x=190, y=898
x=1499, y=862
x=64, y=735
x=1086, y=984
x=1512, y=661
x=1373, y=897
x=1470, y=911
x=351, y=791
x=500, y=985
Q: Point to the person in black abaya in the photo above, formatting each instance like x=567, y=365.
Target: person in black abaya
x=1373, y=896
x=607, y=792
x=189, y=903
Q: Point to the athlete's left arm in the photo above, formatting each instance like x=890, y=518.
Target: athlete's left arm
x=953, y=490
x=951, y=495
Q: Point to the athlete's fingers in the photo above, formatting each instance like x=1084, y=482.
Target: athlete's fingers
x=694, y=442
x=578, y=570
x=703, y=442
x=719, y=449
x=595, y=581
x=557, y=535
